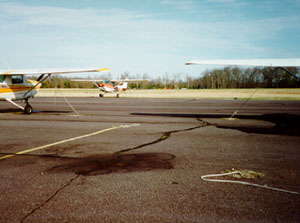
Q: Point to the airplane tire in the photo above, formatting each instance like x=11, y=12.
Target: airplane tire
x=101, y=95
x=28, y=109
x=117, y=95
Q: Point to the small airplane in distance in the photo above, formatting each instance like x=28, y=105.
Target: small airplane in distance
x=276, y=63
x=111, y=86
x=15, y=87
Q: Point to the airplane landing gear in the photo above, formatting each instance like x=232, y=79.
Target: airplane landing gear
x=28, y=109
x=117, y=95
x=101, y=95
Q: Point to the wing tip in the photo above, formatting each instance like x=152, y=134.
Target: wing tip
x=103, y=69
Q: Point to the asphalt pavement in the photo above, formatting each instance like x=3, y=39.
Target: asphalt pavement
x=141, y=160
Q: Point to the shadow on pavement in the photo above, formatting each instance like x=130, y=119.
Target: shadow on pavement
x=285, y=124
x=19, y=111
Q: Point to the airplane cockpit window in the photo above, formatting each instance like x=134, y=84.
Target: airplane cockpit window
x=2, y=78
x=17, y=79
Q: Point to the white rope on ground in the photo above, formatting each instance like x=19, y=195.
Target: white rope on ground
x=55, y=95
x=68, y=102
x=241, y=182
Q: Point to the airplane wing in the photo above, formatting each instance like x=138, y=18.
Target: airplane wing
x=117, y=81
x=250, y=62
x=87, y=80
x=130, y=80
x=51, y=71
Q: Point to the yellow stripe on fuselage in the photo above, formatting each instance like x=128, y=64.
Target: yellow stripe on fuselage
x=18, y=87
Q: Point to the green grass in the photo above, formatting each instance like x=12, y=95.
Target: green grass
x=238, y=94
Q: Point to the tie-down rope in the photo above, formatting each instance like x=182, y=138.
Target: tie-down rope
x=204, y=177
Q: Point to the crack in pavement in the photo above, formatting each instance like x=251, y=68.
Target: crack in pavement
x=49, y=199
x=165, y=136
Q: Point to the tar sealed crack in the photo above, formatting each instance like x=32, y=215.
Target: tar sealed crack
x=120, y=162
x=49, y=199
x=117, y=162
x=165, y=136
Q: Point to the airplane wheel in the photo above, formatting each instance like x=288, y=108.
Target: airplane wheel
x=117, y=95
x=28, y=109
x=101, y=95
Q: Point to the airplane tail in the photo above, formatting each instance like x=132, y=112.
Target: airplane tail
x=123, y=86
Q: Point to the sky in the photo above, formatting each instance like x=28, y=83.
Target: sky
x=153, y=37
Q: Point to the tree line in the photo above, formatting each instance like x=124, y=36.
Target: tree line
x=228, y=77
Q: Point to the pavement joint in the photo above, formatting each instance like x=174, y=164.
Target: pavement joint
x=49, y=199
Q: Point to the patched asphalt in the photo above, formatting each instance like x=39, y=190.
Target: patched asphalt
x=140, y=160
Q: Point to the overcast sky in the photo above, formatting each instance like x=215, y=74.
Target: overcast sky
x=148, y=36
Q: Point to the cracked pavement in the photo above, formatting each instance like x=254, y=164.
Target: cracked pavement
x=151, y=171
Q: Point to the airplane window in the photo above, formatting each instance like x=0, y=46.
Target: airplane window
x=2, y=78
x=17, y=79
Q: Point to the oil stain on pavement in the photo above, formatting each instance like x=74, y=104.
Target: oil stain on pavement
x=116, y=163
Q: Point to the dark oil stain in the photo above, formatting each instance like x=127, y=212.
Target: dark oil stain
x=11, y=146
x=56, y=150
x=29, y=161
x=116, y=163
x=59, y=150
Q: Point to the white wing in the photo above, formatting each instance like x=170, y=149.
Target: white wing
x=130, y=80
x=87, y=80
x=117, y=81
x=51, y=71
x=250, y=62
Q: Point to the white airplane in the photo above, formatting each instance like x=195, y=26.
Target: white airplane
x=276, y=63
x=15, y=87
x=111, y=86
